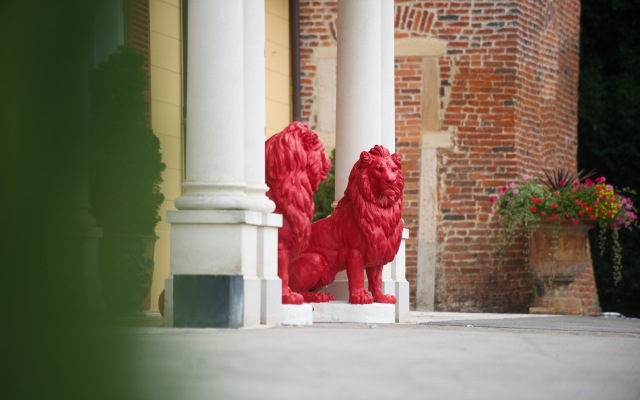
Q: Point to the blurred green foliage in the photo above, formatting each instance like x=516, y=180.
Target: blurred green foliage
x=125, y=160
x=52, y=347
x=325, y=195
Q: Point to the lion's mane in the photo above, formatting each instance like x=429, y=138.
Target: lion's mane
x=377, y=214
x=295, y=166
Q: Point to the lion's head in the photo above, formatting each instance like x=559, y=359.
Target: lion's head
x=377, y=177
x=294, y=151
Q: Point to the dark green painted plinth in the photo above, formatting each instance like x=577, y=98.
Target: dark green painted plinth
x=207, y=301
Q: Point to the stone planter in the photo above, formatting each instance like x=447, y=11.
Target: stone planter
x=126, y=272
x=557, y=253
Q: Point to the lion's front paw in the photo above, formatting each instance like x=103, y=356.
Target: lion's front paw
x=360, y=297
x=292, y=298
x=384, y=298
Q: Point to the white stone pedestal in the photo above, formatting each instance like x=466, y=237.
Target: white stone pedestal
x=297, y=315
x=341, y=311
x=229, y=242
x=394, y=282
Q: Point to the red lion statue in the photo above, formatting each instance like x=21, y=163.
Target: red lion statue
x=363, y=232
x=295, y=165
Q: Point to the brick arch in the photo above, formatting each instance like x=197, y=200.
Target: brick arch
x=412, y=21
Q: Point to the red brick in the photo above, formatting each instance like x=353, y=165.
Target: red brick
x=492, y=96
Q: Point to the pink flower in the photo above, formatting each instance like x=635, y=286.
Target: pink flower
x=601, y=179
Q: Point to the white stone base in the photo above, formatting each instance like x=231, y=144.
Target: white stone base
x=341, y=311
x=402, y=300
x=297, y=314
x=271, y=314
x=229, y=242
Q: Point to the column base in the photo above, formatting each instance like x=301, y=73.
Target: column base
x=227, y=243
x=402, y=300
x=208, y=301
x=271, y=311
x=297, y=315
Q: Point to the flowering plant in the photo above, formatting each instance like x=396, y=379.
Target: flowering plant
x=562, y=197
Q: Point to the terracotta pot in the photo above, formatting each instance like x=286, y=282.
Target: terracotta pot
x=557, y=253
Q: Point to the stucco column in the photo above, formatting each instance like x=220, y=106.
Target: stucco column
x=393, y=275
x=255, y=105
x=358, y=101
x=270, y=286
x=215, y=176
x=223, y=238
x=388, y=95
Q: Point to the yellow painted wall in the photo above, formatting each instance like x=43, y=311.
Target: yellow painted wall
x=166, y=117
x=278, y=65
x=166, y=80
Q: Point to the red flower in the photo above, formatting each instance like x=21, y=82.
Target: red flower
x=554, y=216
x=575, y=221
x=554, y=205
x=532, y=209
x=581, y=213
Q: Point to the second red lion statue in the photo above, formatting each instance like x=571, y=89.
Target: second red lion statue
x=362, y=234
x=295, y=166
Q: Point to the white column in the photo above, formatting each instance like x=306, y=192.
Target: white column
x=358, y=95
x=255, y=105
x=358, y=102
x=268, y=283
x=223, y=225
x=394, y=273
x=387, y=110
x=215, y=177
x=388, y=96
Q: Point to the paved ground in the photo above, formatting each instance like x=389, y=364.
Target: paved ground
x=435, y=356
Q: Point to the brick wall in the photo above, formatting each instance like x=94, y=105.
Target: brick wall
x=508, y=90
